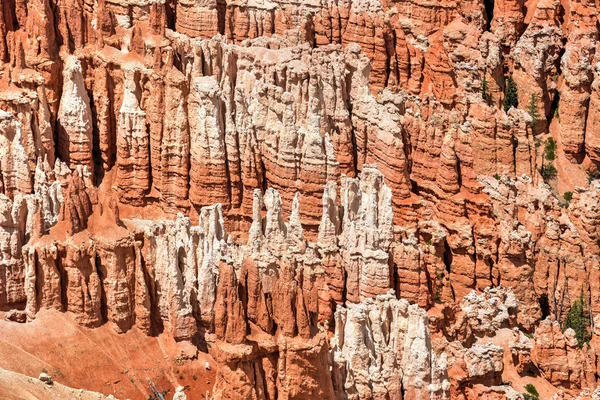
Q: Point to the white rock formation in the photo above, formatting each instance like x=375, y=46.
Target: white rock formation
x=490, y=310
x=75, y=118
x=382, y=348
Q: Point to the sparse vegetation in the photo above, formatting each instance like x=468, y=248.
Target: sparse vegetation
x=532, y=390
x=549, y=172
x=568, y=196
x=533, y=110
x=578, y=319
x=178, y=361
x=497, y=177
x=550, y=149
x=511, y=98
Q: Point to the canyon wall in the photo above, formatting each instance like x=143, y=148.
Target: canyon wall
x=333, y=198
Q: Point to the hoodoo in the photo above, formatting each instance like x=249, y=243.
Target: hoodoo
x=268, y=199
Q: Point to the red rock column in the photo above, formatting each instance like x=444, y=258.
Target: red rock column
x=133, y=148
x=209, y=183
x=175, y=146
x=197, y=18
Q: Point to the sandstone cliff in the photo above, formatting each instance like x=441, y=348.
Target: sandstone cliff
x=334, y=199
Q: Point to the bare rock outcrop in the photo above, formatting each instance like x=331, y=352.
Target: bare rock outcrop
x=559, y=357
x=133, y=151
x=382, y=347
x=74, y=118
x=344, y=199
x=520, y=348
x=490, y=311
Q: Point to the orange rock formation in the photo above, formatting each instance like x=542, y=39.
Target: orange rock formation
x=328, y=197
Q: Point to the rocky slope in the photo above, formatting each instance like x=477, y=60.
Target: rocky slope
x=15, y=386
x=331, y=198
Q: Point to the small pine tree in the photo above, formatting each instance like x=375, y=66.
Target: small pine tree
x=511, y=98
x=549, y=172
x=550, y=149
x=533, y=110
x=531, y=389
x=568, y=196
x=578, y=319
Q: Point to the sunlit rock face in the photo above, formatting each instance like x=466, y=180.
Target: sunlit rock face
x=334, y=199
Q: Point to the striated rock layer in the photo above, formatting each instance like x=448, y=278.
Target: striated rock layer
x=334, y=199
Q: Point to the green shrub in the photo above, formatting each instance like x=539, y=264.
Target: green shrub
x=578, y=319
x=511, y=98
x=550, y=149
x=549, y=172
x=497, y=177
x=532, y=390
x=568, y=196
